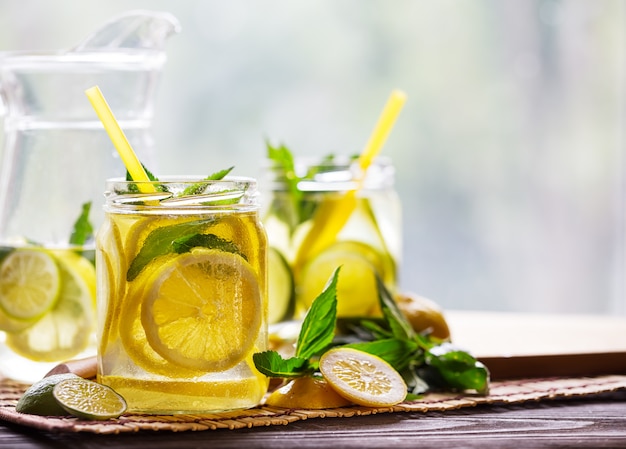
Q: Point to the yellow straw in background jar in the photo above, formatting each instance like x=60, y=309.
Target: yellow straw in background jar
x=331, y=216
x=120, y=142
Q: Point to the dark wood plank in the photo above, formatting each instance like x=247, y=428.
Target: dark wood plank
x=598, y=422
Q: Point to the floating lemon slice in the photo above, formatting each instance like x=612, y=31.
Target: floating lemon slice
x=64, y=330
x=362, y=378
x=131, y=331
x=29, y=284
x=357, y=292
x=202, y=310
x=87, y=399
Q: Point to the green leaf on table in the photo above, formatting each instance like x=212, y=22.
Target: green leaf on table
x=398, y=325
x=272, y=364
x=318, y=326
x=398, y=353
x=458, y=368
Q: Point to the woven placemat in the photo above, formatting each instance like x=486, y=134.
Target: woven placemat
x=502, y=392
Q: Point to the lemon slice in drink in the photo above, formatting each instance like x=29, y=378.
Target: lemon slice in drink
x=132, y=332
x=362, y=378
x=280, y=286
x=203, y=310
x=87, y=399
x=29, y=284
x=357, y=293
x=64, y=330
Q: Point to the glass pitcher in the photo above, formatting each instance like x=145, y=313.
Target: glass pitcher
x=54, y=159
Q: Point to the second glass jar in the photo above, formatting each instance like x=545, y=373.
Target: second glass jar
x=306, y=243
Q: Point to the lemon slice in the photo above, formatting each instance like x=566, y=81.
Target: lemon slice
x=87, y=399
x=357, y=292
x=65, y=330
x=307, y=392
x=280, y=286
x=362, y=378
x=131, y=331
x=29, y=284
x=203, y=310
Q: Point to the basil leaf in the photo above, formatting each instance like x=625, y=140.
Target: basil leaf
x=272, y=364
x=83, y=229
x=161, y=241
x=459, y=369
x=318, y=327
x=398, y=353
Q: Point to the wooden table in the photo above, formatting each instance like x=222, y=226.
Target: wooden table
x=596, y=421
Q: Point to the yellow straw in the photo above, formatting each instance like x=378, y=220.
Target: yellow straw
x=332, y=215
x=119, y=139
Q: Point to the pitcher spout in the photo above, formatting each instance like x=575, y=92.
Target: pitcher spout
x=137, y=30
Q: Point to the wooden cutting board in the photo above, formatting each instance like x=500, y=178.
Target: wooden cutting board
x=519, y=345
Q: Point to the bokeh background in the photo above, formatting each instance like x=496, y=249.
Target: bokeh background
x=509, y=150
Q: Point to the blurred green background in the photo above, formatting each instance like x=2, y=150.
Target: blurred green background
x=509, y=150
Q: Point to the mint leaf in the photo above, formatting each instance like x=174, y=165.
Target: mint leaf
x=186, y=243
x=318, y=327
x=398, y=353
x=284, y=166
x=459, y=369
x=398, y=324
x=83, y=229
x=198, y=188
x=272, y=364
x=162, y=241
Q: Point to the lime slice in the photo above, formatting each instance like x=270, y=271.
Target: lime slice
x=203, y=309
x=29, y=284
x=280, y=287
x=362, y=378
x=39, y=400
x=65, y=330
x=357, y=293
x=87, y=399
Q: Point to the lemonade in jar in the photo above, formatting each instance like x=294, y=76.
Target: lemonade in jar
x=307, y=243
x=182, y=294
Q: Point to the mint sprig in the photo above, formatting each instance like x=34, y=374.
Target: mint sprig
x=316, y=335
x=83, y=229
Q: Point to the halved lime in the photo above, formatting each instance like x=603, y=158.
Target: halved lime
x=39, y=400
x=87, y=399
x=29, y=283
x=280, y=287
x=357, y=293
x=65, y=330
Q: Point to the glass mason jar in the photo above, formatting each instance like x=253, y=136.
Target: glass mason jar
x=182, y=294
x=328, y=219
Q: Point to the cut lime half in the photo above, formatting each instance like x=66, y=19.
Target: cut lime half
x=89, y=400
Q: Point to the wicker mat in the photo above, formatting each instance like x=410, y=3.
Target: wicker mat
x=502, y=392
